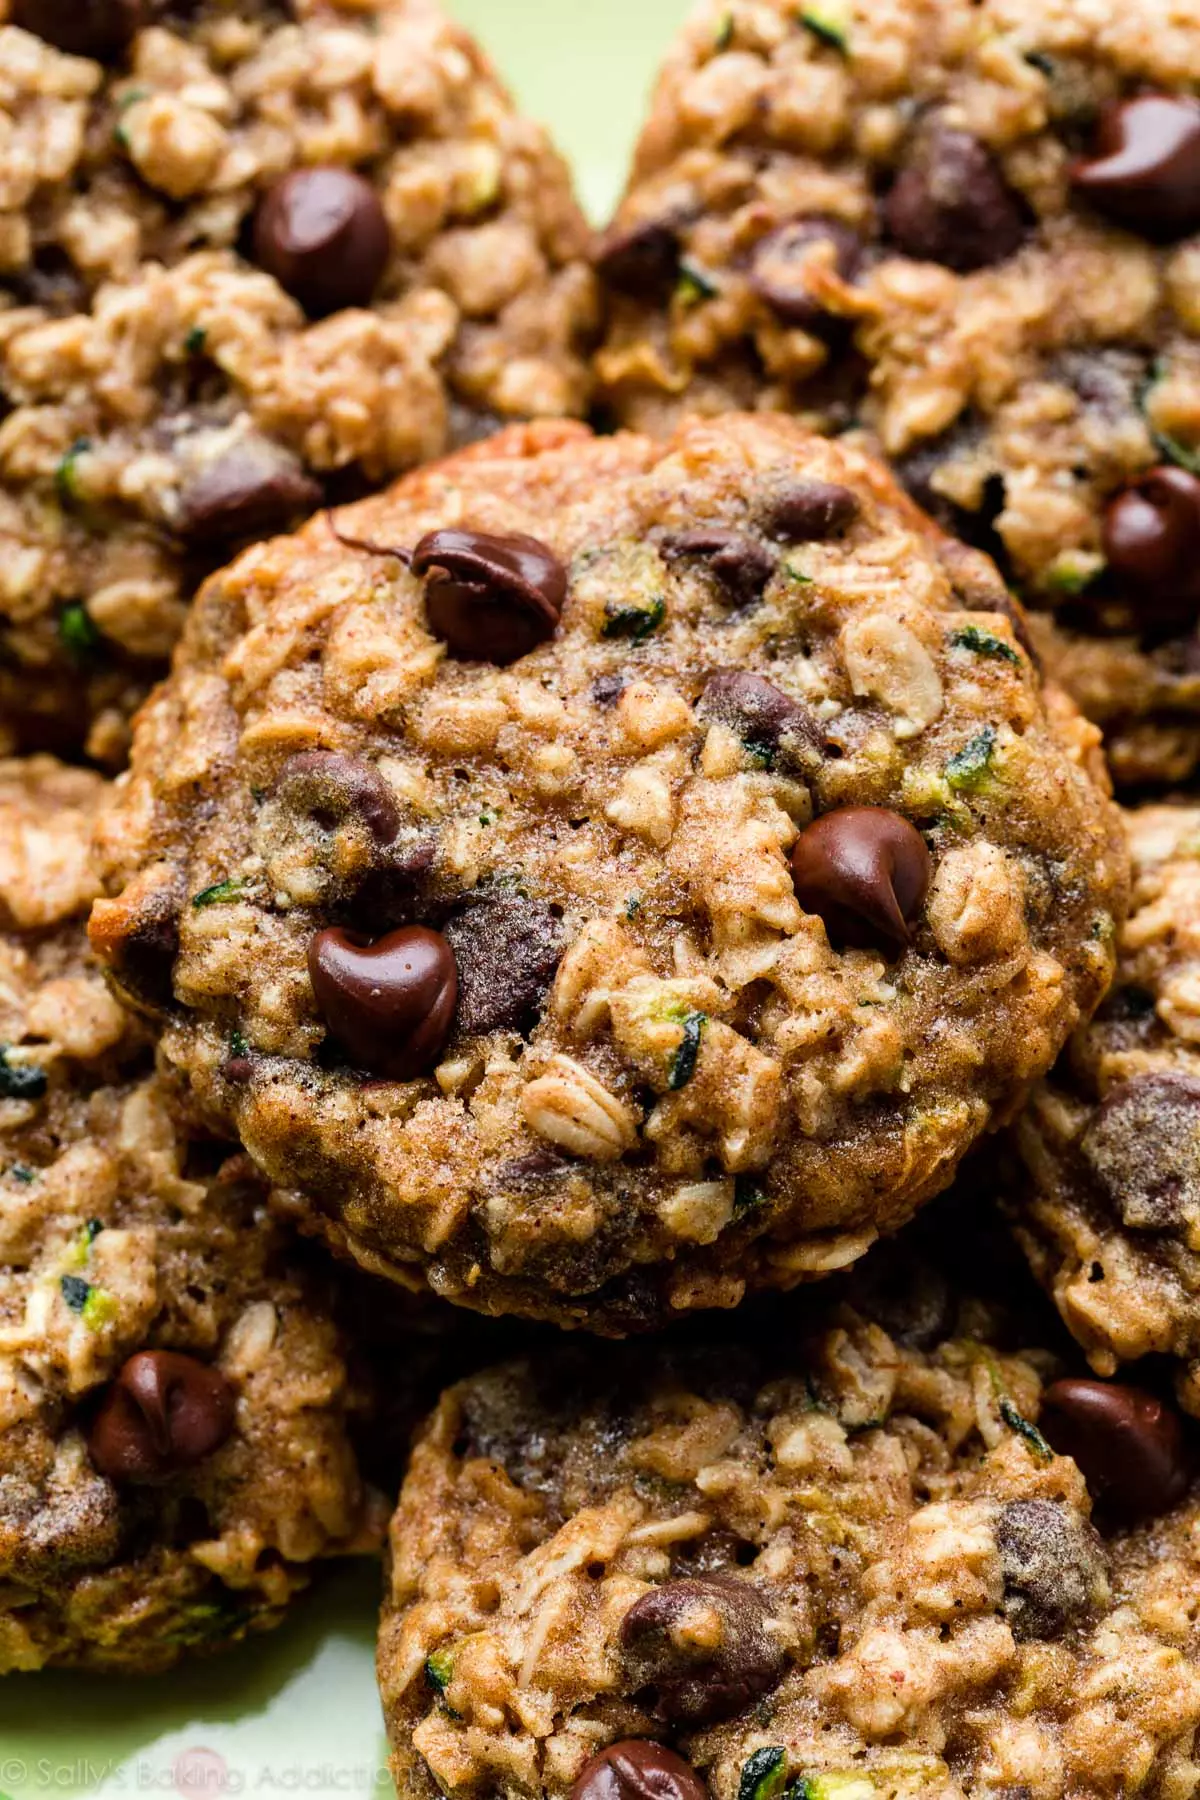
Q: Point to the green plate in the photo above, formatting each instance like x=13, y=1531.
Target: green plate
x=295, y=1712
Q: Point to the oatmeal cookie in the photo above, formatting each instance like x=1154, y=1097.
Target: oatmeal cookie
x=968, y=229
x=173, y=1396
x=604, y=874
x=1110, y=1214
x=888, y=1549
x=251, y=255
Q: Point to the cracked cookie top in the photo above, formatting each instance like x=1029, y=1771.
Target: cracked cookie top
x=248, y=255
x=605, y=874
x=173, y=1391
x=970, y=231
x=878, y=1550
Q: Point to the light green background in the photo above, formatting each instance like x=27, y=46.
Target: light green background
x=296, y=1713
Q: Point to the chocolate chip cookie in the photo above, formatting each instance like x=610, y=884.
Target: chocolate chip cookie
x=250, y=257
x=884, y=1549
x=969, y=231
x=605, y=874
x=173, y=1395
x=1111, y=1142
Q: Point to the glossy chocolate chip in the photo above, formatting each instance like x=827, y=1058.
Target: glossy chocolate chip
x=638, y=1769
x=704, y=1647
x=1142, y=1149
x=390, y=1004
x=323, y=235
x=1152, y=540
x=1145, y=172
x=1129, y=1445
x=492, y=599
x=507, y=953
x=252, y=489
x=950, y=204
x=741, y=564
x=766, y=719
x=641, y=259
x=777, y=268
x=164, y=1413
x=97, y=28
x=865, y=871
x=1054, y=1568
x=329, y=788
x=807, y=511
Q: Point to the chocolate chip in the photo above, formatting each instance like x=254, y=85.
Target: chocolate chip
x=606, y=690
x=1054, y=1565
x=390, y=1004
x=705, y=1647
x=1152, y=541
x=865, y=871
x=777, y=269
x=252, y=489
x=951, y=204
x=740, y=563
x=323, y=235
x=96, y=28
x=138, y=941
x=507, y=952
x=164, y=1412
x=768, y=721
x=638, y=1769
x=1128, y=1444
x=1108, y=382
x=641, y=260
x=807, y=511
x=329, y=788
x=1142, y=1149
x=492, y=599
x=1145, y=172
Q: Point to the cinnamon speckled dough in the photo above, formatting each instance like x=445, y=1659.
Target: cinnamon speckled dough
x=1111, y=1142
x=152, y=370
x=663, y=1083
x=120, y=1233
x=937, y=1616
x=1018, y=395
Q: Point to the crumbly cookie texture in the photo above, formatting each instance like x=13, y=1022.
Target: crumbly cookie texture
x=126, y=1245
x=665, y=1078
x=835, y=1559
x=890, y=217
x=194, y=352
x=1110, y=1213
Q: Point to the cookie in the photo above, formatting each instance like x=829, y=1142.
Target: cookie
x=605, y=874
x=251, y=257
x=969, y=231
x=174, y=1407
x=887, y=1548
x=1110, y=1208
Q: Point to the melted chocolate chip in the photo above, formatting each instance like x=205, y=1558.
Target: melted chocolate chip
x=252, y=489
x=1145, y=172
x=329, y=787
x=1054, y=1568
x=1152, y=543
x=865, y=871
x=1142, y=1149
x=741, y=564
x=950, y=204
x=323, y=235
x=807, y=511
x=164, y=1413
x=1128, y=1444
x=492, y=599
x=507, y=951
x=780, y=260
x=97, y=28
x=390, y=1004
x=767, y=720
x=641, y=260
x=705, y=1647
x=638, y=1769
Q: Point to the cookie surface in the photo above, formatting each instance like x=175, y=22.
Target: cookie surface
x=1111, y=1142
x=173, y=1394
x=251, y=256
x=968, y=230
x=686, y=943
x=837, y=1559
